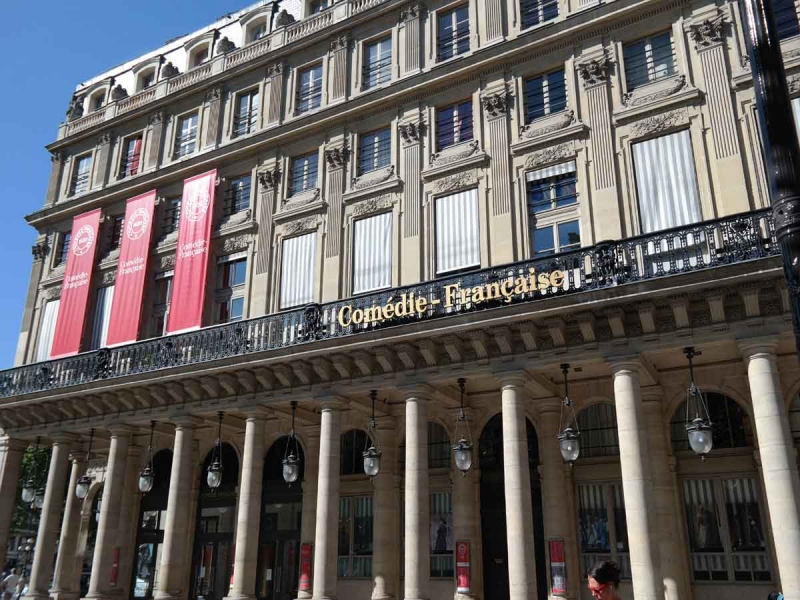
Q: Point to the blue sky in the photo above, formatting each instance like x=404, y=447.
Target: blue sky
x=50, y=48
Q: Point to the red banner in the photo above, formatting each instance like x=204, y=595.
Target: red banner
x=131, y=270
x=558, y=568
x=191, y=258
x=462, y=568
x=114, y=567
x=77, y=283
x=306, y=556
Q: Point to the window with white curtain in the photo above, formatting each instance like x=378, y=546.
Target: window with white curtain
x=102, y=317
x=46, y=330
x=457, y=232
x=372, y=253
x=666, y=182
x=297, y=270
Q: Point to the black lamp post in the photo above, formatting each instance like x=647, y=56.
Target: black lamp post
x=781, y=149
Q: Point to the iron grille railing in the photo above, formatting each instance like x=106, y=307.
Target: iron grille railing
x=726, y=241
x=786, y=18
x=377, y=72
x=245, y=122
x=453, y=43
x=237, y=196
x=304, y=174
x=648, y=60
x=535, y=12
x=80, y=183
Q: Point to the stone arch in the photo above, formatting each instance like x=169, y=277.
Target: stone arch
x=731, y=423
x=273, y=460
x=597, y=423
x=351, y=445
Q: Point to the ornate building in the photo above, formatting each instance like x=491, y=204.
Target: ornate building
x=310, y=231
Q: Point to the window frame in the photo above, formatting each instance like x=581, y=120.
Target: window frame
x=384, y=71
x=454, y=43
x=377, y=152
x=247, y=123
x=621, y=557
x=527, y=8
x=649, y=63
x=181, y=140
x=64, y=241
x=171, y=215
x=546, y=97
x=305, y=103
x=160, y=310
x=306, y=180
x=353, y=245
x=228, y=292
x=237, y=199
x=115, y=229
x=351, y=556
x=130, y=162
x=76, y=174
x=455, y=106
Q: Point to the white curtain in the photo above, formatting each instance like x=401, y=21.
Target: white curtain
x=297, y=270
x=102, y=316
x=552, y=171
x=372, y=253
x=457, y=232
x=666, y=182
x=47, y=329
x=796, y=111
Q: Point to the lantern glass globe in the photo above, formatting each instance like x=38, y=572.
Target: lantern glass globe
x=569, y=445
x=146, y=480
x=214, y=475
x=700, y=435
x=28, y=491
x=462, y=452
x=372, y=461
x=291, y=468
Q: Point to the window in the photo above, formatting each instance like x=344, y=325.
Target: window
x=545, y=94
x=199, y=57
x=318, y=6
x=457, y=232
x=375, y=150
x=559, y=237
x=231, y=277
x=63, y=249
x=115, y=235
x=102, y=317
x=351, y=452
x=453, y=125
x=453, y=32
x=598, y=427
x=603, y=532
x=550, y=188
x=303, y=173
x=441, y=534
x=729, y=422
x=47, y=329
x=648, y=60
x=309, y=91
x=715, y=507
x=786, y=18
x=186, y=138
x=148, y=79
x=297, y=270
x=355, y=537
x=258, y=31
x=237, y=196
x=372, y=253
x=246, y=119
x=161, y=297
x=131, y=155
x=80, y=175
x=377, y=63
x=535, y=12
x=172, y=216
x=97, y=101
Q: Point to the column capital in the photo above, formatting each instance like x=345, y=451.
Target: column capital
x=11, y=444
x=332, y=404
x=510, y=377
x=258, y=413
x=63, y=437
x=748, y=348
x=186, y=421
x=417, y=391
x=121, y=430
x=624, y=363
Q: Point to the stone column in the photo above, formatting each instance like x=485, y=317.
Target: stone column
x=309, y=518
x=411, y=163
x=155, y=140
x=466, y=516
x=336, y=156
x=637, y=484
x=517, y=481
x=42, y=568
x=11, y=452
x=338, y=80
x=384, y=532
x=781, y=483
x=174, y=569
x=417, y=501
x=66, y=584
x=27, y=340
x=248, y=524
x=108, y=527
x=125, y=540
x=101, y=159
x=325, y=540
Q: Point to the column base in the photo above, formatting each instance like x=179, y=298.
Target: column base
x=240, y=597
x=36, y=596
x=64, y=595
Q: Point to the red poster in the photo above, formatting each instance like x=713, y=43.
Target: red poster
x=131, y=270
x=462, y=567
x=558, y=568
x=306, y=557
x=76, y=286
x=192, y=255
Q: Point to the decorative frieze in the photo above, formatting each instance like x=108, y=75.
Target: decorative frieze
x=300, y=225
x=342, y=42
x=214, y=93
x=660, y=122
x=455, y=153
x=156, y=118
x=412, y=11
x=108, y=277
x=301, y=199
x=550, y=155
x=534, y=130
x=337, y=156
x=373, y=205
x=411, y=133
x=456, y=181
x=595, y=71
x=269, y=179
x=372, y=178
x=235, y=243
x=497, y=104
x=52, y=292
x=708, y=32
x=669, y=88
x=39, y=250
x=166, y=262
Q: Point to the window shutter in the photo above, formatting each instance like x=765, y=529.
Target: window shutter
x=48, y=328
x=297, y=270
x=457, y=232
x=102, y=316
x=372, y=253
x=666, y=182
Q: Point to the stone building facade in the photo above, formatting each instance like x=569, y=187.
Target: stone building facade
x=410, y=195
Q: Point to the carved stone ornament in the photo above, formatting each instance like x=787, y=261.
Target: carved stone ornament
x=595, y=71
x=166, y=262
x=411, y=133
x=497, y=104
x=305, y=224
x=75, y=108
x=793, y=83
x=549, y=155
x=57, y=157
x=708, y=32
x=455, y=153
x=214, y=93
x=118, y=93
x=283, y=19
x=632, y=99
x=342, y=42
x=660, y=122
x=456, y=181
x=302, y=198
x=105, y=138
x=235, y=219
x=275, y=69
x=337, y=156
x=235, y=243
x=269, y=179
x=157, y=117
x=412, y=11
x=51, y=293
x=372, y=205
x=225, y=45
x=39, y=250
x=169, y=70
x=373, y=178
x=530, y=130
x=108, y=277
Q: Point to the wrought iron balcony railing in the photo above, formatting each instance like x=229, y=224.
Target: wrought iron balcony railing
x=726, y=241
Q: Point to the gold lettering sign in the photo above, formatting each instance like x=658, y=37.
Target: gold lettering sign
x=455, y=295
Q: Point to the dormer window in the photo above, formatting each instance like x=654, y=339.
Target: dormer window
x=199, y=56
x=257, y=31
x=97, y=100
x=318, y=6
x=146, y=79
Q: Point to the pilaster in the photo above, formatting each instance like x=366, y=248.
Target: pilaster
x=155, y=140
x=11, y=452
x=26, y=343
x=213, y=121
x=57, y=160
x=268, y=178
x=338, y=81
x=274, y=94
x=101, y=160
x=337, y=154
x=411, y=137
x=411, y=46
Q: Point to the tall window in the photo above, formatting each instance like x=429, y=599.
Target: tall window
x=131, y=156
x=377, y=63
x=231, y=277
x=63, y=249
x=309, y=91
x=355, y=537
x=551, y=188
x=535, y=12
x=457, y=232
x=559, y=237
x=545, y=94
x=602, y=525
x=304, y=173
x=441, y=534
x=453, y=125
x=115, y=235
x=246, y=117
x=200, y=56
x=453, y=32
x=81, y=174
x=47, y=329
x=715, y=507
x=162, y=293
x=186, y=138
x=102, y=317
x=648, y=60
x=351, y=448
x=237, y=196
x=372, y=253
x=297, y=270
x=786, y=18
x=598, y=427
x=375, y=150
x=172, y=216
x=730, y=424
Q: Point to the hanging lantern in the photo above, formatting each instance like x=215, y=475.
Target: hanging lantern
x=28, y=491
x=147, y=475
x=462, y=450
x=214, y=472
x=569, y=436
x=698, y=420
x=291, y=457
x=98, y=508
x=38, y=499
x=372, y=455
x=85, y=482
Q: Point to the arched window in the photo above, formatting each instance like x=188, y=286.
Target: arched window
x=598, y=426
x=257, y=30
x=97, y=100
x=145, y=79
x=438, y=447
x=729, y=421
x=273, y=463
x=490, y=445
x=351, y=457
x=198, y=56
x=794, y=419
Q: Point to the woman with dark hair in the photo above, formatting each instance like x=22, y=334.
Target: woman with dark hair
x=603, y=580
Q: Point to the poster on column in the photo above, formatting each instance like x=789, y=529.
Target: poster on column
x=306, y=555
x=462, y=567
x=558, y=568
x=134, y=250
x=192, y=254
x=77, y=283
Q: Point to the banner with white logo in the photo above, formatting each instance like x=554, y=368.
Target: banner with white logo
x=191, y=257
x=134, y=251
x=77, y=283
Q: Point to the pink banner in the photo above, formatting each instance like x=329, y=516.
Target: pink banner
x=134, y=250
x=462, y=567
x=77, y=283
x=191, y=258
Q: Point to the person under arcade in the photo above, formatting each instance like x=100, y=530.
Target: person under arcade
x=603, y=580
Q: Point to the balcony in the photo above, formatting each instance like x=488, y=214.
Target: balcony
x=608, y=265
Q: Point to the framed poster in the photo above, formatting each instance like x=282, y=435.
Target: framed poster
x=306, y=555
x=462, y=567
x=558, y=568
